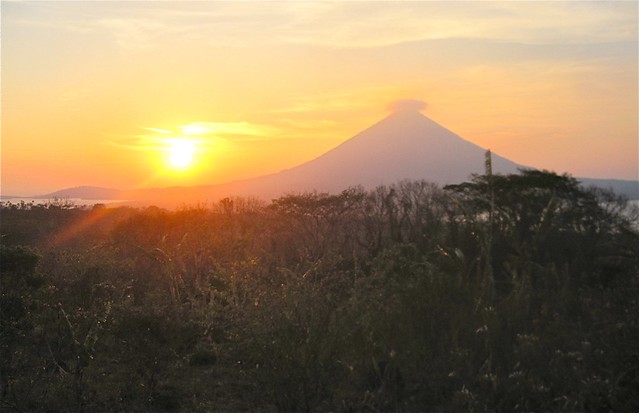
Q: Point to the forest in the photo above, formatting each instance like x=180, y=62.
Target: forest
x=510, y=293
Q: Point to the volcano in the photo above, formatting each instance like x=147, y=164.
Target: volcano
x=406, y=145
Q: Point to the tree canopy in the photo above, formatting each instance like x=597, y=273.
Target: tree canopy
x=504, y=293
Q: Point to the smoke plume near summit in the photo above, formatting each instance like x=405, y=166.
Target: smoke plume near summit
x=413, y=105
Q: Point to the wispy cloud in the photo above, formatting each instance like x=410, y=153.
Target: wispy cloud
x=339, y=24
x=145, y=142
x=201, y=133
x=230, y=130
x=156, y=130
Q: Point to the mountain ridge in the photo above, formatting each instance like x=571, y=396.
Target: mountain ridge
x=84, y=192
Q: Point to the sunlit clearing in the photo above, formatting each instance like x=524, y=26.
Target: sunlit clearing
x=181, y=153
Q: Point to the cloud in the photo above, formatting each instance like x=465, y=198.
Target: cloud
x=156, y=130
x=202, y=133
x=137, y=142
x=229, y=130
x=407, y=105
x=336, y=24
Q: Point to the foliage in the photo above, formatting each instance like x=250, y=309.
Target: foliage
x=504, y=293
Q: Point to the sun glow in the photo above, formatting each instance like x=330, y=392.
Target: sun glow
x=181, y=153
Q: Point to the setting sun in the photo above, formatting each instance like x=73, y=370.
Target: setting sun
x=208, y=93
x=181, y=153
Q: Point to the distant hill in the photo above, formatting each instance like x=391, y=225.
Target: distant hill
x=84, y=192
x=628, y=189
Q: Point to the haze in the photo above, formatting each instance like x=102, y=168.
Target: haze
x=93, y=93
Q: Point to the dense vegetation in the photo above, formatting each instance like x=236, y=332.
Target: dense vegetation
x=505, y=293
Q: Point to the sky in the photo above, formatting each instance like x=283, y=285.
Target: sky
x=163, y=93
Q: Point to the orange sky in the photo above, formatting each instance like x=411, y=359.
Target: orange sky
x=94, y=93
